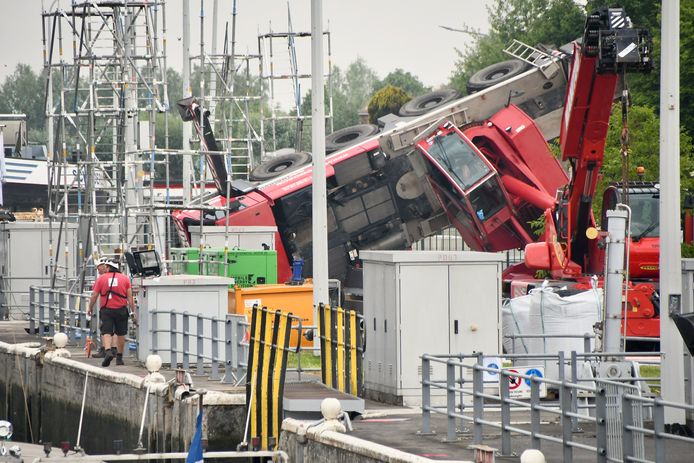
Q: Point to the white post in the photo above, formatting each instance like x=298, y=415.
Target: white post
x=320, y=227
x=672, y=366
x=187, y=127
x=614, y=280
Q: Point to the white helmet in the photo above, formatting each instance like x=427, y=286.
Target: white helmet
x=110, y=262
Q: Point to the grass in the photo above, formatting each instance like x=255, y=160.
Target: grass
x=307, y=360
x=651, y=371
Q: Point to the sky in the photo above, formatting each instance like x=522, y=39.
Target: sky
x=387, y=34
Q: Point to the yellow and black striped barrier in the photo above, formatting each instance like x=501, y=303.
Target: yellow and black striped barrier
x=342, y=347
x=267, y=365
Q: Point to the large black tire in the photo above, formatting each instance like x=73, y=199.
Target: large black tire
x=279, y=165
x=423, y=104
x=349, y=136
x=494, y=74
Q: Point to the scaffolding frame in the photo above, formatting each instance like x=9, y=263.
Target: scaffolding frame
x=101, y=107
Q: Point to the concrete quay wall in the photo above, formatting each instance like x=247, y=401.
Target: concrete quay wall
x=41, y=395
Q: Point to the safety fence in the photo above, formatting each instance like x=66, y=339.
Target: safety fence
x=613, y=400
x=267, y=360
x=53, y=310
x=342, y=344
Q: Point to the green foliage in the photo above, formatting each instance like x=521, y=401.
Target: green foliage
x=548, y=22
x=404, y=80
x=385, y=101
x=644, y=129
x=23, y=93
x=687, y=250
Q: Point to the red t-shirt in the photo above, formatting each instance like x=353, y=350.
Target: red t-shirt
x=118, y=296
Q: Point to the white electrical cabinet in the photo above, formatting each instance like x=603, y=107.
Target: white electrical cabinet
x=195, y=294
x=25, y=260
x=246, y=238
x=426, y=302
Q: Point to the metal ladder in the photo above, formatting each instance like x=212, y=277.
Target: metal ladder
x=531, y=55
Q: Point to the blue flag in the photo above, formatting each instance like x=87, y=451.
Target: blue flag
x=195, y=451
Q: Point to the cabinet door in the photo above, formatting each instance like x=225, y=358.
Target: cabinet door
x=475, y=308
x=374, y=312
x=423, y=319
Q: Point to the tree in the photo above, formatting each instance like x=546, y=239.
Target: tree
x=404, y=80
x=23, y=93
x=644, y=144
x=385, y=101
x=548, y=22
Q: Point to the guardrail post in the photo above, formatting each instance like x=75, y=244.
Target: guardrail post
x=32, y=309
x=565, y=401
x=477, y=400
x=42, y=310
x=200, y=329
x=426, y=395
x=505, y=413
x=241, y=346
x=450, y=401
x=51, y=313
x=154, y=331
x=186, y=340
x=574, y=392
x=628, y=434
x=83, y=304
x=63, y=315
x=659, y=428
x=535, y=413
x=228, y=350
x=173, y=348
x=601, y=423
x=214, y=376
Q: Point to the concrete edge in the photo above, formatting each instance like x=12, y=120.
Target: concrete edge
x=31, y=350
x=353, y=444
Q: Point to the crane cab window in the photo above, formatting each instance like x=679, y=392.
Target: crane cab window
x=458, y=159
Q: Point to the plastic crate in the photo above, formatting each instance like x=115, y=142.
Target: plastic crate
x=247, y=268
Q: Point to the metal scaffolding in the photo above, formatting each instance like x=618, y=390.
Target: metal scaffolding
x=106, y=93
x=102, y=102
x=273, y=70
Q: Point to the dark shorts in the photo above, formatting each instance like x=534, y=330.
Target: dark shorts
x=114, y=321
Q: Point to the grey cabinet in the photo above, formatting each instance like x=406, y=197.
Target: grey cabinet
x=25, y=260
x=432, y=302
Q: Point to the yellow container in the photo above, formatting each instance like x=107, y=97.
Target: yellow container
x=288, y=298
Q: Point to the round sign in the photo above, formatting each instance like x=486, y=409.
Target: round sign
x=514, y=382
x=493, y=366
x=532, y=372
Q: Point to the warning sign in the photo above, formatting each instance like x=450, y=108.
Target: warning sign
x=519, y=388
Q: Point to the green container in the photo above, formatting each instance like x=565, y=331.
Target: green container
x=185, y=261
x=247, y=268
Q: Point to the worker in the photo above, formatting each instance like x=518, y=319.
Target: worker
x=115, y=298
x=101, y=352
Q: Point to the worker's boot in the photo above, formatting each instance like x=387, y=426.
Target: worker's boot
x=110, y=354
x=100, y=353
x=119, y=359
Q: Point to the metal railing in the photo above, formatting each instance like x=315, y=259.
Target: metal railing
x=53, y=310
x=212, y=347
x=618, y=407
